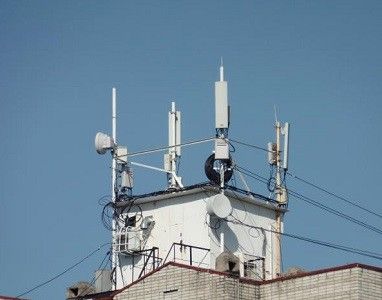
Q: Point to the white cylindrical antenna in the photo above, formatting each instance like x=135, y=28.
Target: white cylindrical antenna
x=171, y=128
x=114, y=135
x=222, y=242
x=221, y=102
x=114, y=114
x=286, y=145
x=173, y=140
x=178, y=127
x=221, y=69
x=114, y=168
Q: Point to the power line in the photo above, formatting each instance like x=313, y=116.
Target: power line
x=63, y=272
x=314, y=185
x=314, y=241
x=164, y=148
x=249, y=145
x=334, y=195
x=100, y=267
x=335, y=212
x=314, y=202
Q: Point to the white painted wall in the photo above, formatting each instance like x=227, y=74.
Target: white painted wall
x=182, y=217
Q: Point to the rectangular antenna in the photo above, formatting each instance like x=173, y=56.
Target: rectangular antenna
x=221, y=104
x=178, y=132
x=286, y=145
x=174, y=130
x=170, y=159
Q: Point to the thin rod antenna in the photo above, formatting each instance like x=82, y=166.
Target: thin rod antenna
x=221, y=69
x=114, y=168
x=114, y=135
x=275, y=111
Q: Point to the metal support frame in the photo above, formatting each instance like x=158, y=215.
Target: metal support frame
x=181, y=245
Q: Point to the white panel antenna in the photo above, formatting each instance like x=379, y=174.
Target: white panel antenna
x=285, y=132
x=221, y=117
x=221, y=101
x=174, y=141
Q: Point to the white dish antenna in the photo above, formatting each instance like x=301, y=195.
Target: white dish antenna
x=219, y=205
x=103, y=142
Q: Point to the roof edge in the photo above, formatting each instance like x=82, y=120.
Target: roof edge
x=247, y=280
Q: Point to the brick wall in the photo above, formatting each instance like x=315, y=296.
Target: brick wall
x=354, y=283
x=175, y=282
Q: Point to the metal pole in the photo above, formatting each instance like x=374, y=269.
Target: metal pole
x=113, y=178
x=277, y=250
x=172, y=150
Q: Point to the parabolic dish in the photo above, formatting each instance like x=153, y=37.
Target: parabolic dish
x=219, y=205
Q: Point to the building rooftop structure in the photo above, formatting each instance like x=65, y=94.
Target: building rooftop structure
x=210, y=240
x=191, y=223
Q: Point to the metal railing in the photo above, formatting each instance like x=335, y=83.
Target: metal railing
x=184, y=247
x=151, y=259
x=255, y=267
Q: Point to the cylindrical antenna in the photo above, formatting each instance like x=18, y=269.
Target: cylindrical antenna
x=114, y=135
x=222, y=242
x=114, y=114
x=221, y=69
x=174, y=141
x=114, y=167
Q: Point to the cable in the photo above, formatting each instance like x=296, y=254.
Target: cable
x=249, y=145
x=314, y=202
x=335, y=212
x=314, y=185
x=334, y=195
x=313, y=241
x=63, y=272
x=167, y=147
x=100, y=267
x=107, y=215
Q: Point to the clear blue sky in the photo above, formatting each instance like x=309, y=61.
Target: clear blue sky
x=320, y=62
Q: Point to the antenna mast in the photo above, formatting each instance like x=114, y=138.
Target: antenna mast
x=114, y=173
x=174, y=141
x=274, y=158
x=222, y=125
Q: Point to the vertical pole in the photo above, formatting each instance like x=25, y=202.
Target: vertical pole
x=172, y=143
x=113, y=180
x=277, y=249
x=153, y=251
x=221, y=242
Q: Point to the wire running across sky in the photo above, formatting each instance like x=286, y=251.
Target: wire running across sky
x=334, y=195
x=101, y=266
x=322, y=189
x=63, y=272
x=312, y=202
x=164, y=148
x=313, y=241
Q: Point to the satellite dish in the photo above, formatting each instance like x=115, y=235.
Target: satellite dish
x=214, y=175
x=103, y=142
x=219, y=205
